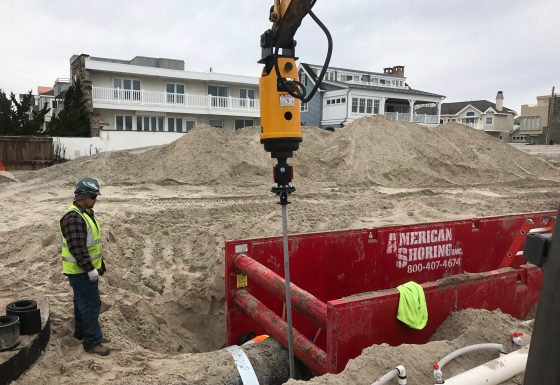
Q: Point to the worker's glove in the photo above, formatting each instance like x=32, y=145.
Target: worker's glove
x=93, y=275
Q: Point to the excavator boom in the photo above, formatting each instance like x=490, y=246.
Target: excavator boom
x=286, y=16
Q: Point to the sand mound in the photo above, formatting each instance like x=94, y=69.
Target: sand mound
x=377, y=151
x=370, y=151
x=461, y=328
x=203, y=156
x=6, y=176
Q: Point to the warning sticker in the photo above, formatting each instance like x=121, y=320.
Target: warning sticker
x=242, y=281
x=287, y=101
x=241, y=248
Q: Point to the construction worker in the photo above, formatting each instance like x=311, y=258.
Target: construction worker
x=83, y=264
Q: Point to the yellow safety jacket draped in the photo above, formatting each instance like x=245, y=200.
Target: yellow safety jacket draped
x=93, y=243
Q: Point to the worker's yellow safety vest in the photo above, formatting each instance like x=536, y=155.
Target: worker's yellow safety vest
x=93, y=242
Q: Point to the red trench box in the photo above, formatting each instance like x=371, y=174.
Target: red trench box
x=348, y=278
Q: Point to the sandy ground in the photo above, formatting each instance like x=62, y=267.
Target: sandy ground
x=166, y=213
x=549, y=153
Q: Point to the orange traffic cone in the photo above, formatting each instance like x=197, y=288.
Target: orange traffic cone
x=2, y=168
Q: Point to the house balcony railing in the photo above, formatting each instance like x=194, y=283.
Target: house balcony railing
x=376, y=84
x=418, y=118
x=166, y=99
x=477, y=125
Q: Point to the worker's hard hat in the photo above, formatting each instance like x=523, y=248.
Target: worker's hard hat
x=87, y=186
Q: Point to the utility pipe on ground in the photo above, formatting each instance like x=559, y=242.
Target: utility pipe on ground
x=494, y=372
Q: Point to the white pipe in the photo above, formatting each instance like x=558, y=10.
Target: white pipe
x=528, y=323
x=467, y=349
x=399, y=371
x=494, y=372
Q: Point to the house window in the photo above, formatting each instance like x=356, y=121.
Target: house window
x=362, y=108
x=304, y=107
x=328, y=102
x=364, y=105
x=179, y=124
x=149, y=123
x=126, y=89
x=242, y=123
x=190, y=124
x=303, y=79
x=219, y=96
x=247, y=93
x=343, y=100
x=470, y=118
x=174, y=124
x=349, y=78
x=530, y=123
x=175, y=93
x=123, y=122
x=216, y=123
x=489, y=120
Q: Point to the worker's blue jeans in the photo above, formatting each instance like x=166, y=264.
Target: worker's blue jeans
x=87, y=304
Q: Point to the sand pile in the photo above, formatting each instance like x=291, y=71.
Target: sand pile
x=377, y=151
x=461, y=329
x=370, y=151
x=203, y=156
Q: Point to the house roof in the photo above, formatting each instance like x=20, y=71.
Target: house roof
x=409, y=91
x=341, y=85
x=350, y=70
x=311, y=74
x=42, y=90
x=481, y=105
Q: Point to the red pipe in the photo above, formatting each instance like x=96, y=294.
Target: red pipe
x=305, y=350
x=307, y=304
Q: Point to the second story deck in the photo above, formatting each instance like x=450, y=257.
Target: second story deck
x=136, y=85
x=144, y=100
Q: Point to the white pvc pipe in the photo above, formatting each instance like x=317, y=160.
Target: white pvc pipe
x=467, y=349
x=399, y=371
x=494, y=372
x=528, y=323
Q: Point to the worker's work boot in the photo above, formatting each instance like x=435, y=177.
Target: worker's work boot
x=99, y=349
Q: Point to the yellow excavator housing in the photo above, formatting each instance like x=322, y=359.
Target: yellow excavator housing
x=280, y=112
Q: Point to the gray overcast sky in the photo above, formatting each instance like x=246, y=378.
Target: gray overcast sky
x=466, y=50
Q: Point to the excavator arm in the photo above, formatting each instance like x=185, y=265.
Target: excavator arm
x=281, y=93
x=286, y=16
